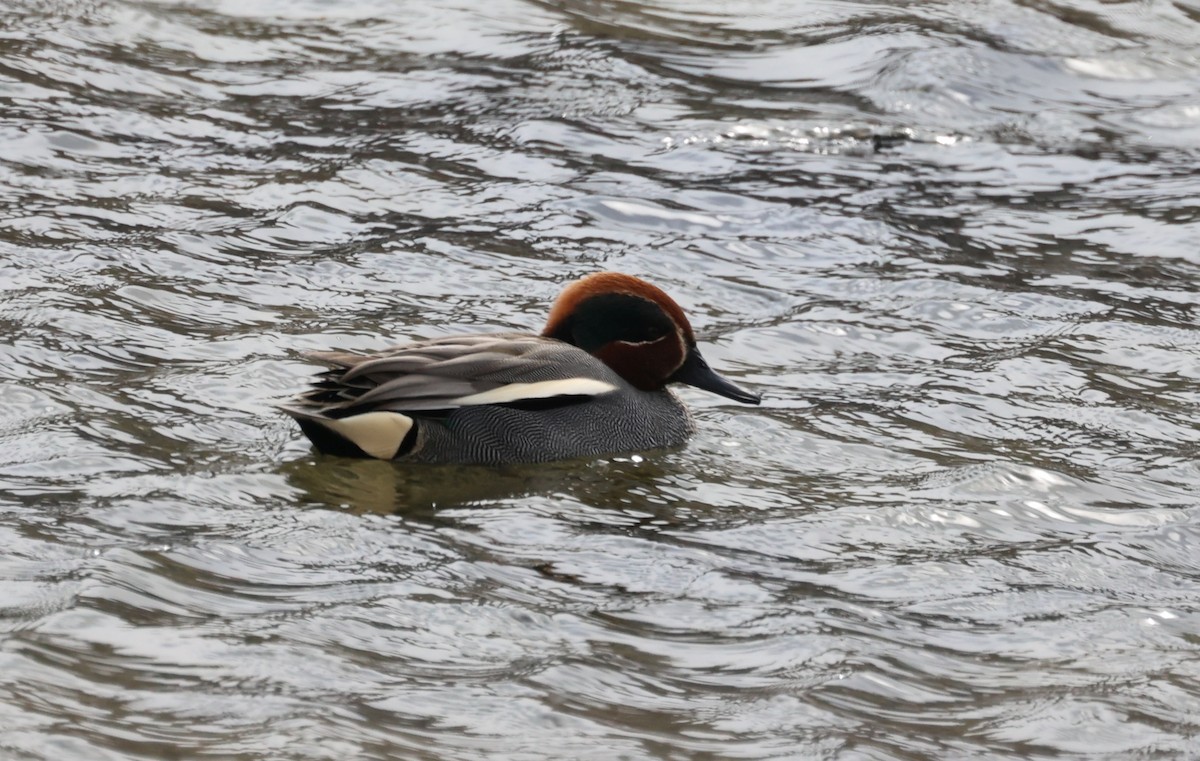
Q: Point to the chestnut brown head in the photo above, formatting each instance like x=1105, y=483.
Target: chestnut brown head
x=636, y=329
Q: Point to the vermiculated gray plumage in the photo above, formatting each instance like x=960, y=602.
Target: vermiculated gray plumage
x=426, y=380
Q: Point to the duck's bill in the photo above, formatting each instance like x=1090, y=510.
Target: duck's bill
x=695, y=372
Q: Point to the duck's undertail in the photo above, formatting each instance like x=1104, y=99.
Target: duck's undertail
x=383, y=435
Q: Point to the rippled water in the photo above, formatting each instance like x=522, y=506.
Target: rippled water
x=953, y=243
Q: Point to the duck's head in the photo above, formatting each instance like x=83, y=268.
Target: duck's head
x=637, y=330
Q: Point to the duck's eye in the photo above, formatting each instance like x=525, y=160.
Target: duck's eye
x=609, y=317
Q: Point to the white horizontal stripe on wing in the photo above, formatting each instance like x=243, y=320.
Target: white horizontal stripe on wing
x=516, y=392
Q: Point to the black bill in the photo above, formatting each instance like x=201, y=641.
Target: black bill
x=695, y=372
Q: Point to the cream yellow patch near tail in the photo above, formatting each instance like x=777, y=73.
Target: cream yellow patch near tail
x=378, y=434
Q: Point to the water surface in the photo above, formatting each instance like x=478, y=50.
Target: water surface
x=952, y=243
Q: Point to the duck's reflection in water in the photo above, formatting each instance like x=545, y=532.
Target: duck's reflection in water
x=419, y=491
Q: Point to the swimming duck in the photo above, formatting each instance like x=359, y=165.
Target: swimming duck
x=593, y=383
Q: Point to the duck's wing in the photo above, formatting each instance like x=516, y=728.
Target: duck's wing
x=449, y=373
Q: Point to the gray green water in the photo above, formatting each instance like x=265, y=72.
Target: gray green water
x=955, y=245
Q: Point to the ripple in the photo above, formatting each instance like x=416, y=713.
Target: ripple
x=951, y=243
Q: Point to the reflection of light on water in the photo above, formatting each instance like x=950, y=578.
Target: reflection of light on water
x=645, y=210
x=820, y=139
x=1046, y=510
x=1136, y=516
x=953, y=519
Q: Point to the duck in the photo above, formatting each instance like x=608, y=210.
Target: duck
x=594, y=382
